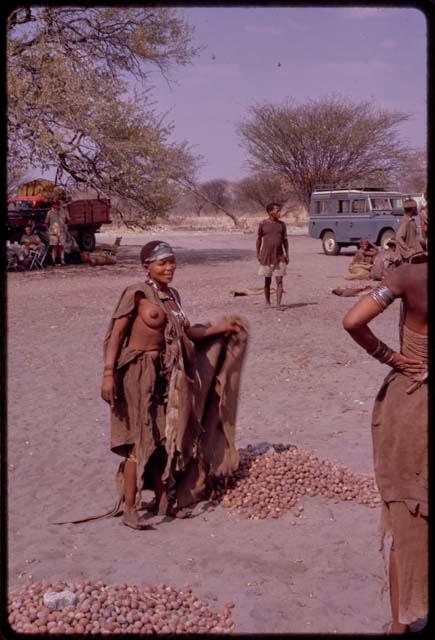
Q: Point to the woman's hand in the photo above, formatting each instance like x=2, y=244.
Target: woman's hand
x=227, y=326
x=408, y=366
x=108, y=390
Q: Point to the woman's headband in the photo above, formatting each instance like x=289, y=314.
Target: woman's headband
x=161, y=251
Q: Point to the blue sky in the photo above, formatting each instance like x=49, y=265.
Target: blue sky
x=361, y=53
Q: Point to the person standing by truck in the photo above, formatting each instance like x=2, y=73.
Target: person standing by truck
x=57, y=222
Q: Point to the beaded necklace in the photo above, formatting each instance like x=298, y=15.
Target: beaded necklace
x=166, y=296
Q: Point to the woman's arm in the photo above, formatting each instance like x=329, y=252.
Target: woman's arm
x=372, y=249
x=225, y=327
x=108, y=391
x=364, y=311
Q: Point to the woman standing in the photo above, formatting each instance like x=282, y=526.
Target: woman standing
x=162, y=393
x=400, y=433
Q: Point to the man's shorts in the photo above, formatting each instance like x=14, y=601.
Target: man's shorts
x=58, y=239
x=278, y=270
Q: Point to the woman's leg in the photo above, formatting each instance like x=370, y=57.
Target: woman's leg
x=157, y=466
x=130, y=488
x=396, y=626
x=131, y=516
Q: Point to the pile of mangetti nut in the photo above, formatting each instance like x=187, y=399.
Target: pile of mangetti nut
x=98, y=608
x=270, y=482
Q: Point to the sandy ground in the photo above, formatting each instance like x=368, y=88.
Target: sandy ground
x=305, y=382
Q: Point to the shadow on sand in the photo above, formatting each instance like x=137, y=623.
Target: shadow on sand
x=284, y=307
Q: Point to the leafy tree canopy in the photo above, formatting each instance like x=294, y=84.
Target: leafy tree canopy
x=69, y=105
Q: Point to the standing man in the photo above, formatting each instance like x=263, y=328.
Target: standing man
x=407, y=236
x=272, y=251
x=56, y=220
x=400, y=433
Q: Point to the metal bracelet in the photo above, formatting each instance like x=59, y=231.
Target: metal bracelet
x=374, y=351
x=381, y=352
x=386, y=355
x=383, y=296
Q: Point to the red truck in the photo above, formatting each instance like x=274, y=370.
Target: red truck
x=86, y=217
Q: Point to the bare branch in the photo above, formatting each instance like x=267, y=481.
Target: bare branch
x=326, y=140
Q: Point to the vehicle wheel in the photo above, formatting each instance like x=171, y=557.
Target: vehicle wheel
x=385, y=236
x=330, y=244
x=87, y=241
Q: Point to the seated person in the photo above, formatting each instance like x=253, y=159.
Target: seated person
x=362, y=262
x=386, y=260
x=15, y=256
x=30, y=240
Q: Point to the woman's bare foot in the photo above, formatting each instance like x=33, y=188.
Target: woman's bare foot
x=393, y=628
x=131, y=518
x=182, y=513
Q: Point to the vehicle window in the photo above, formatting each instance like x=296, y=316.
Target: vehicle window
x=378, y=204
x=322, y=206
x=359, y=206
x=343, y=206
x=397, y=203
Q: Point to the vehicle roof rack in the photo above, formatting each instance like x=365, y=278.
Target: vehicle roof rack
x=349, y=187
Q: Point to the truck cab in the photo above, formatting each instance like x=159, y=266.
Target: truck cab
x=341, y=217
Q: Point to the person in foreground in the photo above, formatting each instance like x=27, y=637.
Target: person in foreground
x=172, y=389
x=272, y=251
x=400, y=433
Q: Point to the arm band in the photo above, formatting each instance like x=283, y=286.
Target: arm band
x=383, y=296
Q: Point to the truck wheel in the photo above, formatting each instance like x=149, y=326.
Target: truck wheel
x=330, y=244
x=385, y=236
x=87, y=241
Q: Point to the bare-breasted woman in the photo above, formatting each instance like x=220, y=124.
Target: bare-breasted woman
x=148, y=369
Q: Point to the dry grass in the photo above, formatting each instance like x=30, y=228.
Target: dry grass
x=216, y=223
